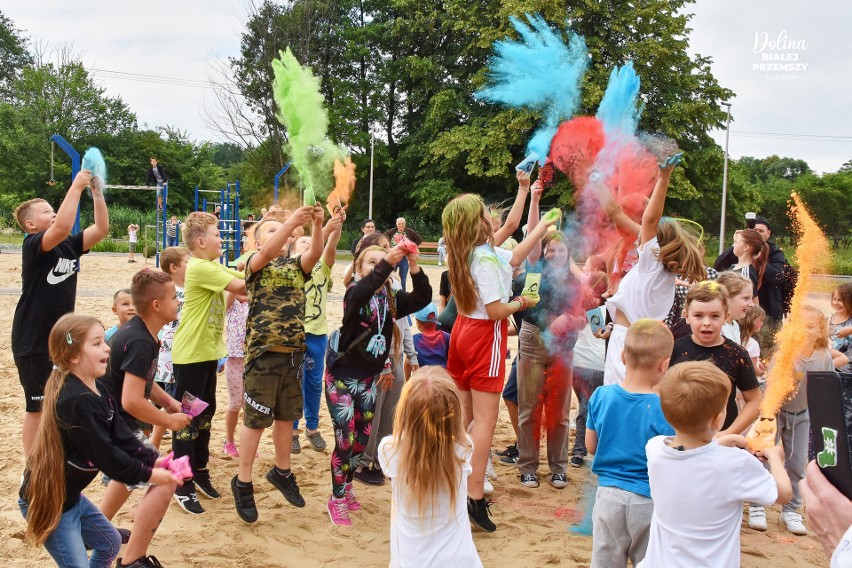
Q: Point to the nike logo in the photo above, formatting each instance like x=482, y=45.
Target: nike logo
x=63, y=270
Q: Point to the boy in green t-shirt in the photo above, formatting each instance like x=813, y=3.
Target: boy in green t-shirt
x=198, y=346
x=275, y=346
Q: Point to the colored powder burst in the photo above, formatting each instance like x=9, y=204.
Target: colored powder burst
x=587, y=505
x=619, y=110
x=814, y=256
x=93, y=161
x=300, y=109
x=539, y=72
x=344, y=184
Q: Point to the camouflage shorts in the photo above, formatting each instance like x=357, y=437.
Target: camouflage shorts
x=273, y=389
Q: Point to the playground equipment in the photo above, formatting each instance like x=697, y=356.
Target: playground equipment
x=230, y=224
x=275, y=182
x=159, y=234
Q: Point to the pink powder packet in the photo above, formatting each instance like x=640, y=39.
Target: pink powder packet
x=191, y=405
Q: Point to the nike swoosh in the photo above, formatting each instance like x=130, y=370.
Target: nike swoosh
x=54, y=279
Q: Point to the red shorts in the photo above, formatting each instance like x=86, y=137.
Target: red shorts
x=477, y=357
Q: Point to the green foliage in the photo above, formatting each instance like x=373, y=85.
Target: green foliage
x=13, y=55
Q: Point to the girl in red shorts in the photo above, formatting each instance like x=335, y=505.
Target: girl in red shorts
x=481, y=280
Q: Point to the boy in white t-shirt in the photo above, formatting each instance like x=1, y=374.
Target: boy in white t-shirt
x=698, y=482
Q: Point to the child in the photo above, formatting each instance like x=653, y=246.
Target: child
x=132, y=238
x=840, y=323
x=367, y=336
x=700, y=480
x=706, y=312
x=431, y=344
x=428, y=461
x=122, y=307
x=172, y=228
x=648, y=291
x=237, y=315
x=173, y=262
x=132, y=364
x=750, y=325
x=740, y=300
x=81, y=428
x=49, y=261
x=198, y=346
x=793, y=419
x=275, y=343
x=316, y=331
x=621, y=419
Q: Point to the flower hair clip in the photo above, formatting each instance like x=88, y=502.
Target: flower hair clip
x=68, y=338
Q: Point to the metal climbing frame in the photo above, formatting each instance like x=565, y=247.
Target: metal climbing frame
x=230, y=224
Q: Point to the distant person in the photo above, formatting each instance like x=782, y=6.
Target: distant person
x=397, y=236
x=156, y=174
x=132, y=239
x=172, y=231
x=367, y=226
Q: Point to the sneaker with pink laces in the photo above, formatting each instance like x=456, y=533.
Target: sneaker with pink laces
x=230, y=449
x=338, y=511
x=351, y=499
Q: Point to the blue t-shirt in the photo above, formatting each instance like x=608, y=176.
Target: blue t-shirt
x=624, y=422
x=432, y=350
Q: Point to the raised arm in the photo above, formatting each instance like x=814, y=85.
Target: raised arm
x=534, y=235
x=309, y=259
x=611, y=206
x=95, y=233
x=654, y=210
x=513, y=220
x=64, y=222
x=532, y=219
x=272, y=248
x=335, y=228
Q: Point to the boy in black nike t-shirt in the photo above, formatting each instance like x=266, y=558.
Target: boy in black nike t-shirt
x=49, y=257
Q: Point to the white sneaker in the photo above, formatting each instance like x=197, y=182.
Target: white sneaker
x=793, y=522
x=757, y=518
x=488, y=489
x=489, y=468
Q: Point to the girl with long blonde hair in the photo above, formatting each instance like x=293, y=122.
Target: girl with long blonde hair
x=82, y=432
x=481, y=281
x=428, y=460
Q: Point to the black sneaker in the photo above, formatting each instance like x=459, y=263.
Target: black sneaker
x=202, y=483
x=287, y=486
x=479, y=510
x=508, y=450
x=144, y=562
x=559, y=480
x=510, y=456
x=244, y=501
x=187, y=499
x=529, y=480
x=370, y=476
x=577, y=461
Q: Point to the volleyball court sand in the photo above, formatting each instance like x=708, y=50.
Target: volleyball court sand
x=532, y=523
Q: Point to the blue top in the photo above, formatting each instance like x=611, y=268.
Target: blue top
x=624, y=422
x=432, y=349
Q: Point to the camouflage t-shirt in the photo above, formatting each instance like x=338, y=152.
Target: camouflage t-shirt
x=276, y=297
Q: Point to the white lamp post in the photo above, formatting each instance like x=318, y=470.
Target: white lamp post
x=725, y=180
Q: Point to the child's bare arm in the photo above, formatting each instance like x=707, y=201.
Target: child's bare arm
x=237, y=286
x=775, y=457
x=533, y=217
x=335, y=227
x=513, y=219
x=64, y=222
x=309, y=259
x=747, y=415
x=839, y=359
x=654, y=210
x=95, y=233
x=271, y=249
x=591, y=441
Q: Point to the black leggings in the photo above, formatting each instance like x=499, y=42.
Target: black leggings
x=198, y=379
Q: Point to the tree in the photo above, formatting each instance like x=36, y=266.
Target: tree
x=13, y=55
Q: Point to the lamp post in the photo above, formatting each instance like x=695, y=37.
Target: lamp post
x=725, y=180
x=372, y=151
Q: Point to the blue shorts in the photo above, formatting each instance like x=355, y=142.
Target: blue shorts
x=510, y=391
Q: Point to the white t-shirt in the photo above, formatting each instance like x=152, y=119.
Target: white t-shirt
x=732, y=331
x=753, y=348
x=589, y=351
x=442, y=539
x=647, y=291
x=698, y=503
x=492, y=275
x=131, y=236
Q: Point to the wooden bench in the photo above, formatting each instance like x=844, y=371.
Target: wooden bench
x=430, y=247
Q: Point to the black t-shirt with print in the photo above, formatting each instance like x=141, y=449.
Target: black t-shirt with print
x=731, y=358
x=132, y=350
x=48, y=291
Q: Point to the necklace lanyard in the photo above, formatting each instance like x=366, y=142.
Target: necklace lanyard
x=378, y=344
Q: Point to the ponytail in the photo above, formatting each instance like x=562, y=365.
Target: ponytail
x=760, y=262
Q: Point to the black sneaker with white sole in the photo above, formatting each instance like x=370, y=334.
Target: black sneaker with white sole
x=559, y=480
x=187, y=499
x=529, y=480
x=203, y=484
x=510, y=456
x=577, y=461
x=479, y=511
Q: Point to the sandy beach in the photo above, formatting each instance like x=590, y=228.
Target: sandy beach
x=533, y=524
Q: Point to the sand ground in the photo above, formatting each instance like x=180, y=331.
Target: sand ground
x=533, y=524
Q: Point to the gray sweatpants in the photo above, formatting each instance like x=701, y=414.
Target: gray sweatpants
x=793, y=431
x=621, y=526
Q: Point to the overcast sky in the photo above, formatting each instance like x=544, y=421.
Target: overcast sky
x=799, y=113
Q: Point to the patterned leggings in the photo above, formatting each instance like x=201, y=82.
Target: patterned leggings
x=350, y=403
x=234, y=368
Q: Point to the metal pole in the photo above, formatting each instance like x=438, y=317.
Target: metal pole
x=372, y=151
x=275, y=182
x=239, y=223
x=725, y=181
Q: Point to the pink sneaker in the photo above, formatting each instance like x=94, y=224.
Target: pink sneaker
x=338, y=511
x=351, y=499
x=230, y=449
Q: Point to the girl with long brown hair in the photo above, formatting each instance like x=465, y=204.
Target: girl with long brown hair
x=752, y=255
x=82, y=432
x=368, y=340
x=428, y=461
x=481, y=281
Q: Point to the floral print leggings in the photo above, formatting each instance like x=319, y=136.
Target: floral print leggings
x=351, y=403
